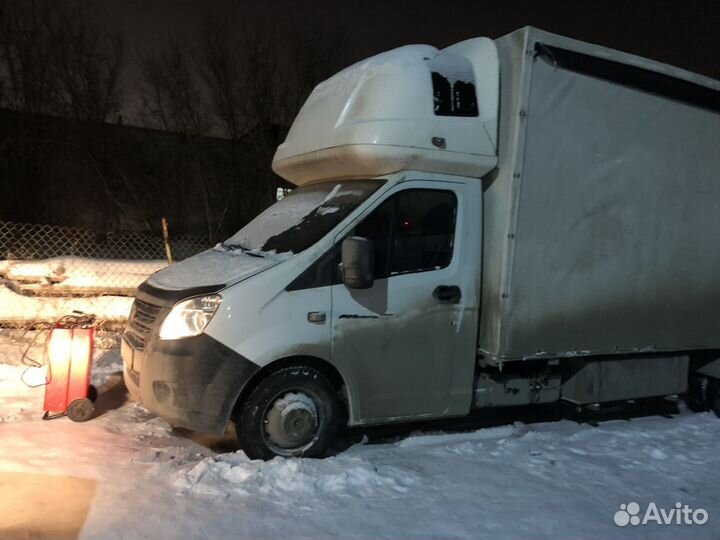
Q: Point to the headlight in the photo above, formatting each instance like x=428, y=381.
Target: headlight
x=190, y=317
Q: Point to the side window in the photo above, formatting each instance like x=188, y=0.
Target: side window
x=377, y=227
x=413, y=231
x=424, y=230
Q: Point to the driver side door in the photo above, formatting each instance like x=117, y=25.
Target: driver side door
x=407, y=344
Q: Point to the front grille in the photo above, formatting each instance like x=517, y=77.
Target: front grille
x=140, y=323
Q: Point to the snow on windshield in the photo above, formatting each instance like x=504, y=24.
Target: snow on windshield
x=302, y=217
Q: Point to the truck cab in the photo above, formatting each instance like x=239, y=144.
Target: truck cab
x=354, y=299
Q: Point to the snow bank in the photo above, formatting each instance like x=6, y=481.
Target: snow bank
x=17, y=308
x=40, y=291
x=292, y=480
x=429, y=439
x=81, y=273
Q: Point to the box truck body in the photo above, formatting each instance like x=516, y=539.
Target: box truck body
x=502, y=222
x=602, y=217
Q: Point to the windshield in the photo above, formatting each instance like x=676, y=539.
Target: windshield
x=302, y=217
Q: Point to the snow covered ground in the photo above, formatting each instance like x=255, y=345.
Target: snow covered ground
x=553, y=480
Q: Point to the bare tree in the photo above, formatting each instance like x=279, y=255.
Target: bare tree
x=222, y=73
x=257, y=74
x=238, y=67
x=55, y=59
x=316, y=52
x=26, y=57
x=173, y=100
x=88, y=62
x=171, y=94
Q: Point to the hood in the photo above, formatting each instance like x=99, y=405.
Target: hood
x=205, y=272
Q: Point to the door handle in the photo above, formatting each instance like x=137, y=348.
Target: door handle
x=447, y=294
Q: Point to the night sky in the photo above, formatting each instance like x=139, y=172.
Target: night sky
x=685, y=34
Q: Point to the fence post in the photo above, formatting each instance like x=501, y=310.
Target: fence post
x=166, y=238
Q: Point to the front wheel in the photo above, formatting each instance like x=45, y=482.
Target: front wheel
x=293, y=412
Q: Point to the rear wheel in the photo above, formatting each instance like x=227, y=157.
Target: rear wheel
x=293, y=412
x=698, y=398
x=714, y=396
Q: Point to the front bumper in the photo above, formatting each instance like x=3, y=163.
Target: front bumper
x=191, y=382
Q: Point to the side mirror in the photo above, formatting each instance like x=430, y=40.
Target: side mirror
x=357, y=262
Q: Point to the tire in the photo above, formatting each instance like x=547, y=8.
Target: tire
x=293, y=412
x=698, y=399
x=714, y=396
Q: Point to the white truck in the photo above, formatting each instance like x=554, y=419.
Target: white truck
x=502, y=222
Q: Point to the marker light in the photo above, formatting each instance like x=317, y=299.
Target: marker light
x=189, y=317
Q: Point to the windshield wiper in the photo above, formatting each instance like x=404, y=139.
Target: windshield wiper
x=245, y=250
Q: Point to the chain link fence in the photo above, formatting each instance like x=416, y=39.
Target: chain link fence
x=47, y=271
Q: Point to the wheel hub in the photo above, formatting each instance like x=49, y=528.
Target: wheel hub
x=291, y=420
